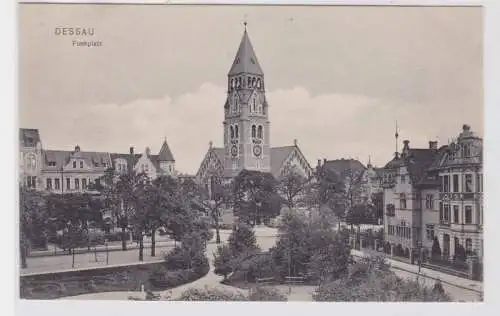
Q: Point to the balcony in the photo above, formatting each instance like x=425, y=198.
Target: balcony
x=465, y=228
x=444, y=223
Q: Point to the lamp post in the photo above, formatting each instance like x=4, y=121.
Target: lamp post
x=215, y=216
x=107, y=251
x=257, y=207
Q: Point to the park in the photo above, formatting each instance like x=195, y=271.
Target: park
x=166, y=239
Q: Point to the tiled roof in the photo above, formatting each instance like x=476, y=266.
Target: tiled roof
x=339, y=166
x=278, y=156
x=418, y=161
x=62, y=157
x=245, y=59
x=165, y=153
x=28, y=137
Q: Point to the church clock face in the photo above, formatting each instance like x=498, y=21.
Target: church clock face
x=257, y=150
x=234, y=151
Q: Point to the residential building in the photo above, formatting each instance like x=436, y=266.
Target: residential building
x=75, y=171
x=436, y=193
x=403, y=186
x=460, y=220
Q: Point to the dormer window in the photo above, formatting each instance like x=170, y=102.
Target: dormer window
x=81, y=164
x=74, y=164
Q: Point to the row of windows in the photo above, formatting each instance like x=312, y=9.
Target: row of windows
x=254, y=106
x=56, y=184
x=257, y=132
x=453, y=182
x=399, y=231
x=240, y=82
x=445, y=215
x=463, y=152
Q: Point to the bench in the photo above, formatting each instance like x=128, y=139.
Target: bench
x=295, y=280
x=265, y=280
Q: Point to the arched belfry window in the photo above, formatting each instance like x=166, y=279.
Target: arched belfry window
x=232, y=131
x=254, y=131
x=259, y=132
x=236, y=134
x=249, y=81
x=253, y=82
x=254, y=105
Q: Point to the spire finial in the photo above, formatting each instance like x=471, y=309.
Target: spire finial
x=369, y=160
x=245, y=22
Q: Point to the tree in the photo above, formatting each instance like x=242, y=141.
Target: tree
x=373, y=281
x=253, y=192
x=293, y=186
x=359, y=214
x=165, y=196
x=242, y=239
x=33, y=220
x=222, y=261
x=327, y=193
x=331, y=261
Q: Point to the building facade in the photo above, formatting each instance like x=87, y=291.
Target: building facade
x=75, y=171
x=460, y=195
x=436, y=194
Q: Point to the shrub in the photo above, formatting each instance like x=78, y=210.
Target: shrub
x=222, y=261
x=436, y=249
x=242, y=239
x=374, y=282
x=211, y=294
x=264, y=293
x=249, y=267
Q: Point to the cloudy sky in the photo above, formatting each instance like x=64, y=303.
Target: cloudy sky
x=337, y=77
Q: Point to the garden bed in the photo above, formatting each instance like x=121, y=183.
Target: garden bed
x=128, y=278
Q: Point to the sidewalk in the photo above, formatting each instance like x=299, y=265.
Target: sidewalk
x=467, y=284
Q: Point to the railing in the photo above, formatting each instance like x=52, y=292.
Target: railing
x=265, y=281
x=295, y=280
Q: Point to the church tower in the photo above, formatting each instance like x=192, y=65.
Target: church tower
x=246, y=121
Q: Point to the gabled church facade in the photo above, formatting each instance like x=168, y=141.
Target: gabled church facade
x=247, y=128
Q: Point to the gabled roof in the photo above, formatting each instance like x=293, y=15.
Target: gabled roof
x=418, y=161
x=165, y=153
x=245, y=60
x=278, y=156
x=340, y=166
x=29, y=137
x=62, y=157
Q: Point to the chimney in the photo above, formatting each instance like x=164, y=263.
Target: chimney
x=210, y=144
x=324, y=161
x=466, y=127
x=396, y=155
x=433, y=144
x=131, y=150
x=295, y=142
x=148, y=151
x=77, y=148
x=406, y=145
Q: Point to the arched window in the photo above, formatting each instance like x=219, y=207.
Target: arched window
x=253, y=82
x=258, y=83
x=254, y=131
x=466, y=150
x=236, y=134
x=259, y=132
x=249, y=81
x=232, y=131
x=254, y=109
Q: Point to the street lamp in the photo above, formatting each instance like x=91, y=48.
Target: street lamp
x=257, y=207
x=214, y=210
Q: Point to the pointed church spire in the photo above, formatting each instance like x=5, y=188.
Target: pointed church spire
x=245, y=60
x=165, y=153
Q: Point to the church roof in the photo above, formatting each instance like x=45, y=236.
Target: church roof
x=245, y=60
x=278, y=156
x=165, y=153
x=342, y=165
